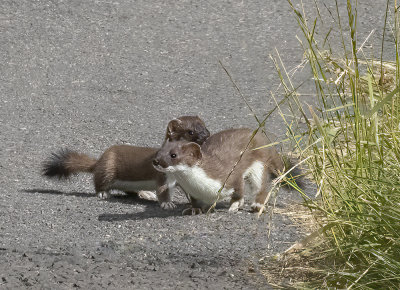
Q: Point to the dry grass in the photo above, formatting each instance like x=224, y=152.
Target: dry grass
x=352, y=148
x=293, y=267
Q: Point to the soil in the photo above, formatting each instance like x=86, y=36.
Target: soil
x=89, y=74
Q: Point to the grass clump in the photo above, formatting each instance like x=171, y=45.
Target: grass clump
x=351, y=139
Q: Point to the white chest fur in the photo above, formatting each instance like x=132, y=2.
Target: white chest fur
x=195, y=182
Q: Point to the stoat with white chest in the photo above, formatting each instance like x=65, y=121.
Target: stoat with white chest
x=127, y=168
x=202, y=170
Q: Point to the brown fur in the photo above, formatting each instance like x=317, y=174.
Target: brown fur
x=219, y=154
x=124, y=162
x=80, y=163
x=187, y=128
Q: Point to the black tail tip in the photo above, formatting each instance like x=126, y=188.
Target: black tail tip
x=54, y=166
x=295, y=178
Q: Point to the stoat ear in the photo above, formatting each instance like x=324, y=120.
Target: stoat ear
x=172, y=127
x=201, y=121
x=193, y=149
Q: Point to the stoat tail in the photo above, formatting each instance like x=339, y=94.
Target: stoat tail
x=66, y=162
x=296, y=174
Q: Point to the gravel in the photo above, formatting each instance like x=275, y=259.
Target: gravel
x=89, y=74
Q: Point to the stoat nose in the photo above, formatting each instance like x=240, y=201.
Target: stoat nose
x=202, y=137
x=156, y=162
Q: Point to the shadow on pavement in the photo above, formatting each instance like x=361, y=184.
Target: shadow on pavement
x=57, y=192
x=152, y=208
x=130, y=198
x=153, y=211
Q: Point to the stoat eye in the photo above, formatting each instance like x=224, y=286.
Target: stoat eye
x=191, y=132
x=173, y=155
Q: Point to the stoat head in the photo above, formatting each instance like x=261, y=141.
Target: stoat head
x=177, y=155
x=188, y=128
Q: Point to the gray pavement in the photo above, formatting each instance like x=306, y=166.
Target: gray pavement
x=90, y=74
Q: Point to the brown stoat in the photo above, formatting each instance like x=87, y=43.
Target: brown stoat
x=127, y=168
x=202, y=170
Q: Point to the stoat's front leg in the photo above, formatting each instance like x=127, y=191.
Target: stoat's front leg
x=165, y=186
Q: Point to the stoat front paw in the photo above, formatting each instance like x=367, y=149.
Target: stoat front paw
x=148, y=195
x=256, y=207
x=103, y=195
x=192, y=211
x=236, y=205
x=168, y=205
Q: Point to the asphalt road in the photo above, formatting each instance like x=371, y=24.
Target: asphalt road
x=90, y=74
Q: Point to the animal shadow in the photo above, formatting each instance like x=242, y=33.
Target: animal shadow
x=152, y=208
x=57, y=192
x=118, y=198
x=151, y=211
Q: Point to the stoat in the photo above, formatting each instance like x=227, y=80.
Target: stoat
x=127, y=168
x=201, y=170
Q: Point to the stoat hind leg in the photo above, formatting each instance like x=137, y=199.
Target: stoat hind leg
x=105, y=174
x=262, y=193
x=237, y=198
x=104, y=194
